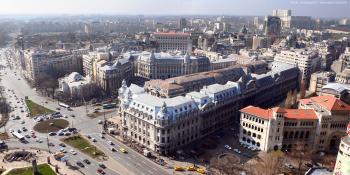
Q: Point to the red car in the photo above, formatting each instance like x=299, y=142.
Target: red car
x=100, y=171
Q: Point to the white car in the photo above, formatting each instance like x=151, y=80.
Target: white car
x=99, y=122
x=73, y=152
x=93, y=140
x=39, y=141
x=110, y=142
x=237, y=151
x=228, y=147
x=289, y=166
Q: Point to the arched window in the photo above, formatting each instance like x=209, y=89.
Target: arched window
x=291, y=134
x=258, y=144
x=248, y=140
x=254, y=135
x=249, y=133
x=244, y=139
x=296, y=134
x=244, y=131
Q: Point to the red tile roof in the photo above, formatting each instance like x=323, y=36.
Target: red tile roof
x=306, y=114
x=329, y=102
x=259, y=112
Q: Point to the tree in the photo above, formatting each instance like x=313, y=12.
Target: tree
x=289, y=100
x=302, y=89
x=300, y=152
x=269, y=164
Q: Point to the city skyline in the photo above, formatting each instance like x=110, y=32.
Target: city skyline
x=315, y=8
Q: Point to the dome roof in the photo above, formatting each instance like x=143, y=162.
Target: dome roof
x=75, y=76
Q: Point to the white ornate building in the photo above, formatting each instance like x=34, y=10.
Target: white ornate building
x=76, y=86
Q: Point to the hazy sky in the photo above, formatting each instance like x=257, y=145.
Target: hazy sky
x=316, y=8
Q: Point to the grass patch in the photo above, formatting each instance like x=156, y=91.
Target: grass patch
x=44, y=169
x=83, y=145
x=36, y=109
x=45, y=127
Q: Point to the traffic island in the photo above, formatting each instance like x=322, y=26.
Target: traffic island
x=44, y=169
x=51, y=125
x=36, y=109
x=84, y=146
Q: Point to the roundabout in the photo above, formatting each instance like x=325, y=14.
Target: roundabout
x=52, y=125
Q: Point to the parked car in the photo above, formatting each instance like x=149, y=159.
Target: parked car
x=228, y=147
x=100, y=171
x=87, y=161
x=290, y=166
x=80, y=164
x=73, y=152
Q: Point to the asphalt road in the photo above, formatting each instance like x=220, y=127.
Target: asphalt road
x=133, y=162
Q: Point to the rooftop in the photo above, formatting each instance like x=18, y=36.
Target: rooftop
x=329, y=102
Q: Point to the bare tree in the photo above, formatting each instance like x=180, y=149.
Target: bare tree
x=269, y=164
x=302, y=89
x=301, y=153
x=229, y=165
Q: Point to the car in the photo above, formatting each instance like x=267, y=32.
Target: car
x=52, y=133
x=237, y=151
x=27, y=136
x=123, y=150
x=67, y=134
x=309, y=165
x=80, y=164
x=113, y=149
x=102, y=136
x=73, y=152
x=62, y=150
x=191, y=168
x=290, y=166
x=62, y=145
x=72, y=115
x=39, y=141
x=200, y=170
x=22, y=111
x=100, y=122
x=51, y=144
x=88, y=136
x=228, y=147
x=11, y=131
x=179, y=168
x=87, y=161
x=23, y=122
x=60, y=133
x=58, y=108
x=65, y=116
x=33, y=135
x=46, y=102
x=93, y=140
x=110, y=142
x=100, y=171
x=19, y=131
x=102, y=165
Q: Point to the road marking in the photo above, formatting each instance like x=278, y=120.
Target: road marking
x=150, y=171
x=138, y=164
x=143, y=162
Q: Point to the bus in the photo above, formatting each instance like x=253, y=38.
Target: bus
x=18, y=135
x=63, y=105
x=109, y=105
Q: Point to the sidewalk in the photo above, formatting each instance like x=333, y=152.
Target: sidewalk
x=41, y=159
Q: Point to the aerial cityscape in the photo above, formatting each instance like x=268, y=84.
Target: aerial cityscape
x=154, y=87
